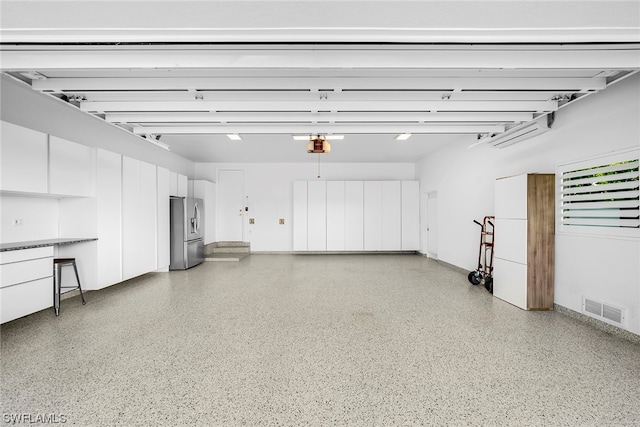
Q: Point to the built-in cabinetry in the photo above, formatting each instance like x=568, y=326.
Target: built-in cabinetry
x=25, y=282
x=355, y=215
x=163, y=237
x=524, y=241
x=23, y=159
x=70, y=168
x=139, y=216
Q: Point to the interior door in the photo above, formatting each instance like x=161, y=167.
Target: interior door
x=432, y=225
x=230, y=205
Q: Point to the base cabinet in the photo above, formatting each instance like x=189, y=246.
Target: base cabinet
x=26, y=282
x=524, y=241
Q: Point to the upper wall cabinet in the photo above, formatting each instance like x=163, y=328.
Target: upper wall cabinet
x=178, y=185
x=70, y=168
x=23, y=159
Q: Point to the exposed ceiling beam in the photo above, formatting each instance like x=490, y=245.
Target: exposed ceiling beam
x=315, y=117
x=559, y=57
x=270, y=95
x=320, y=129
x=320, y=105
x=321, y=34
x=320, y=83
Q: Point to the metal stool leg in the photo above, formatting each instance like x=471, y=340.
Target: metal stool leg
x=57, y=288
x=75, y=268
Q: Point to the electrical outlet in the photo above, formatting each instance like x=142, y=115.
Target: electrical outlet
x=281, y=221
x=18, y=222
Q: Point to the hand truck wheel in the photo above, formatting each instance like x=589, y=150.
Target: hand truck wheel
x=475, y=277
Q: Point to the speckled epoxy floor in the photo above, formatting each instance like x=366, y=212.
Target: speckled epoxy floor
x=294, y=340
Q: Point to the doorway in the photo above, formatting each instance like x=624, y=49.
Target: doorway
x=230, y=205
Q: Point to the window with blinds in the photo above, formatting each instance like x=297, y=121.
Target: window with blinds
x=600, y=196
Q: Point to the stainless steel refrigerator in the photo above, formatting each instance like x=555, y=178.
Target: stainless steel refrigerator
x=187, y=233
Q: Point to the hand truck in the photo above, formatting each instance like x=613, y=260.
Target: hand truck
x=484, y=271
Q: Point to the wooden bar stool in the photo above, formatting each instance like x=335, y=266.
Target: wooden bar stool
x=58, y=263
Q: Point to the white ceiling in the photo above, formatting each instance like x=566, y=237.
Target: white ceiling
x=185, y=87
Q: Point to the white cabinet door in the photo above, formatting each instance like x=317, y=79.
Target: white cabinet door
x=410, y=215
x=391, y=216
x=511, y=239
x=373, y=215
x=354, y=215
x=131, y=219
x=183, y=186
x=139, y=216
x=23, y=159
x=300, y=215
x=317, y=215
x=511, y=197
x=163, y=217
x=70, y=168
x=510, y=282
x=26, y=298
x=109, y=220
x=173, y=184
x=335, y=215
x=149, y=216
x=206, y=190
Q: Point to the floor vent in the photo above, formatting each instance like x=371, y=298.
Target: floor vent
x=602, y=311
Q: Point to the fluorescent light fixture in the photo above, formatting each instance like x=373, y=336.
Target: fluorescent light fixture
x=234, y=137
x=327, y=137
x=403, y=136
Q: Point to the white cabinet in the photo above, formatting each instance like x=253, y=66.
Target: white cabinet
x=23, y=159
x=335, y=215
x=524, y=235
x=163, y=218
x=391, y=216
x=26, y=282
x=317, y=215
x=173, y=184
x=300, y=215
x=178, y=185
x=206, y=190
x=410, y=215
x=183, y=186
x=356, y=215
x=139, y=216
x=109, y=217
x=70, y=168
x=353, y=215
x=372, y=216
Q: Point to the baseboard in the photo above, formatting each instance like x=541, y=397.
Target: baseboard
x=598, y=324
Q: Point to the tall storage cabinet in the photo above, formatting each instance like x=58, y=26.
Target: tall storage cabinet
x=524, y=240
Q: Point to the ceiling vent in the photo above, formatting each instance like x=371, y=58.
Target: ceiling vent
x=522, y=132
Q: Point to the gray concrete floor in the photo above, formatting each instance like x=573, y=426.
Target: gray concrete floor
x=292, y=340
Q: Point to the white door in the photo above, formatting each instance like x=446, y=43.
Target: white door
x=432, y=225
x=230, y=205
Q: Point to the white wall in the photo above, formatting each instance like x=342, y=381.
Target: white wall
x=270, y=191
x=39, y=218
x=604, y=269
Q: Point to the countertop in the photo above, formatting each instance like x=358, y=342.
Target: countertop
x=42, y=243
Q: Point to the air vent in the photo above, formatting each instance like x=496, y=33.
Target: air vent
x=605, y=312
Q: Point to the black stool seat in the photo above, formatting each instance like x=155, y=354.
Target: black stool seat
x=58, y=263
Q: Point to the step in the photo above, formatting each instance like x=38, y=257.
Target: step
x=231, y=244
x=231, y=250
x=226, y=257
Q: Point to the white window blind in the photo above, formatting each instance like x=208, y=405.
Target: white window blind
x=600, y=196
